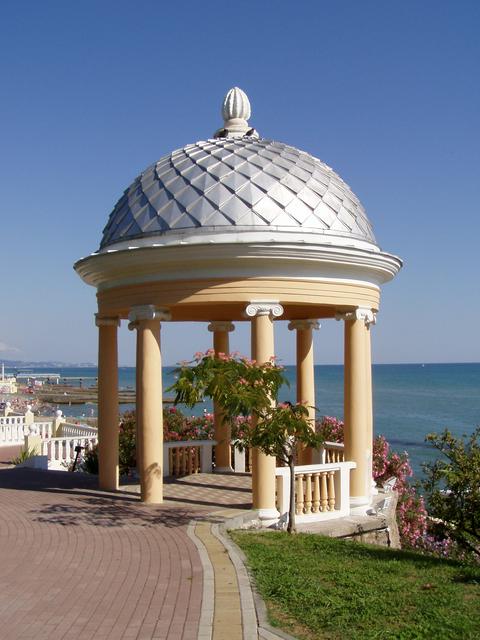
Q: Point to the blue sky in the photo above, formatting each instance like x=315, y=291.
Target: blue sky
x=386, y=93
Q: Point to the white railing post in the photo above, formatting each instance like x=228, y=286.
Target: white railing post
x=239, y=460
x=206, y=458
x=283, y=490
x=166, y=466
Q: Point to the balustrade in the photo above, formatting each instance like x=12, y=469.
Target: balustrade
x=61, y=451
x=332, y=452
x=322, y=491
x=187, y=457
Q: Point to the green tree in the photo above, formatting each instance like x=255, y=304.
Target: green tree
x=452, y=488
x=242, y=387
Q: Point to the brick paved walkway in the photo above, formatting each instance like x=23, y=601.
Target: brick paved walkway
x=78, y=563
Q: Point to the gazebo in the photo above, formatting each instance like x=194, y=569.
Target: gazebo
x=231, y=229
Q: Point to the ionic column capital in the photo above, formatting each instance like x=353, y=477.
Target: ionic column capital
x=270, y=308
x=303, y=325
x=221, y=325
x=147, y=312
x=360, y=313
x=101, y=321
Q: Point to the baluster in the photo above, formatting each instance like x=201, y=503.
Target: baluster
x=190, y=461
x=197, y=459
x=67, y=450
x=331, y=490
x=316, y=493
x=170, y=462
x=299, y=501
x=177, y=461
x=180, y=457
x=323, y=491
x=184, y=461
x=308, y=493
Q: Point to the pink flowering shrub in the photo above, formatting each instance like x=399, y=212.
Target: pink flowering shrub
x=177, y=426
x=331, y=429
x=386, y=464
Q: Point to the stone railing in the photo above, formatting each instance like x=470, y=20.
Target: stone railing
x=43, y=429
x=241, y=460
x=12, y=419
x=75, y=430
x=331, y=452
x=60, y=452
x=12, y=433
x=322, y=491
x=188, y=457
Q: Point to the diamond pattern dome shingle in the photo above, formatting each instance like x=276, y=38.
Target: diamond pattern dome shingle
x=240, y=184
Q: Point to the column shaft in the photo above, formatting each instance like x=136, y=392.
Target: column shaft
x=356, y=405
x=306, y=382
x=138, y=407
x=149, y=416
x=223, y=455
x=263, y=466
x=107, y=405
x=369, y=407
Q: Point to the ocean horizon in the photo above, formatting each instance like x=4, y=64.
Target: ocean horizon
x=409, y=400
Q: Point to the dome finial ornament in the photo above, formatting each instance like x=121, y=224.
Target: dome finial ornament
x=236, y=111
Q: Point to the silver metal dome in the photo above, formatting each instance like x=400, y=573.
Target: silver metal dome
x=238, y=185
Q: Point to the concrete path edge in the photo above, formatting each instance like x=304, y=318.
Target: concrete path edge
x=205, y=627
x=246, y=582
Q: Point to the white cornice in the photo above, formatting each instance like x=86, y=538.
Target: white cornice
x=243, y=260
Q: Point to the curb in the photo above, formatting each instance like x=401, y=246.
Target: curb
x=246, y=583
x=205, y=627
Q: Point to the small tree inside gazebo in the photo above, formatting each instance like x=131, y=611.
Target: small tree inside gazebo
x=242, y=387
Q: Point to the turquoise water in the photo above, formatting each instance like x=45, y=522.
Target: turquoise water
x=409, y=400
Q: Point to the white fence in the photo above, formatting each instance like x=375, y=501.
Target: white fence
x=13, y=429
x=331, y=452
x=11, y=420
x=188, y=457
x=322, y=491
x=72, y=430
x=60, y=452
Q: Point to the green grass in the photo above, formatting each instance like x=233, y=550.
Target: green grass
x=317, y=587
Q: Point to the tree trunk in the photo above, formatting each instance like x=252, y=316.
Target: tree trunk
x=291, y=510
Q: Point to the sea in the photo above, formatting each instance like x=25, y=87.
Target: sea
x=409, y=400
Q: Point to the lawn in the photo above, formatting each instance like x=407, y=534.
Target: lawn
x=317, y=587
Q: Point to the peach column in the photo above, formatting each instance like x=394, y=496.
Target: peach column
x=263, y=466
x=358, y=406
x=223, y=454
x=146, y=319
x=107, y=402
x=305, y=374
x=370, y=319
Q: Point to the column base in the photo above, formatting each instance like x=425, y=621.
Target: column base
x=359, y=505
x=268, y=517
x=224, y=470
x=108, y=486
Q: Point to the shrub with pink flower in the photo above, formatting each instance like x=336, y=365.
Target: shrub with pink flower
x=330, y=428
x=386, y=464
